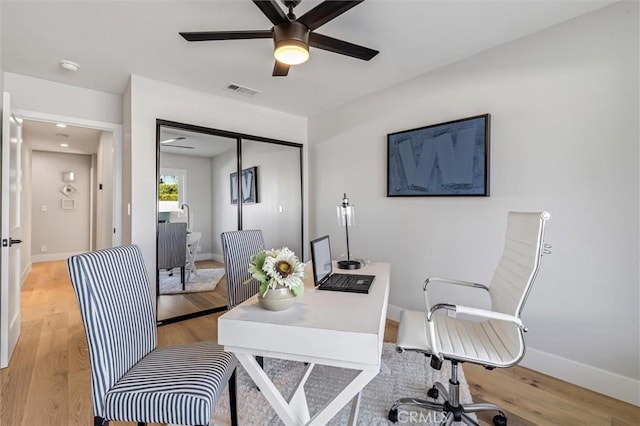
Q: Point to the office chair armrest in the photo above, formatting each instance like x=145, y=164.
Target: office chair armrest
x=456, y=282
x=481, y=313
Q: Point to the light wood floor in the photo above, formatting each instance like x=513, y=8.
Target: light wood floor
x=48, y=380
x=173, y=305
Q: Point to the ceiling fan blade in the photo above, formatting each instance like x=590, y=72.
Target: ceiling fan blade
x=341, y=47
x=272, y=11
x=280, y=69
x=180, y=146
x=179, y=138
x=326, y=11
x=225, y=35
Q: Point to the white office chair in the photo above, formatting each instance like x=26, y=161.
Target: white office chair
x=493, y=338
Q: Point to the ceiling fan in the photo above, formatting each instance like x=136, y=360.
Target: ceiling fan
x=292, y=36
x=167, y=142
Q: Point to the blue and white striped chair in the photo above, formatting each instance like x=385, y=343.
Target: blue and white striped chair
x=237, y=248
x=132, y=380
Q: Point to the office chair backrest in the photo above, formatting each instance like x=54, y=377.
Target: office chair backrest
x=238, y=247
x=519, y=263
x=115, y=301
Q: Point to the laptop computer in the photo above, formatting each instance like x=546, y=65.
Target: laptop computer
x=325, y=279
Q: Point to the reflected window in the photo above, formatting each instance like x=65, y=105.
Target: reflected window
x=171, y=190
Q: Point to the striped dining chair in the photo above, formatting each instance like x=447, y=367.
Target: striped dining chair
x=237, y=249
x=132, y=379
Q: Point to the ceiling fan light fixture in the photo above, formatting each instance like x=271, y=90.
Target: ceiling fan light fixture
x=291, y=43
x=291, y=52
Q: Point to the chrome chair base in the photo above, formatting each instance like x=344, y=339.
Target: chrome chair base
x=446, y=412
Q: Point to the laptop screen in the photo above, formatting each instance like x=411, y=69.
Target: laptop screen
x=321, y=258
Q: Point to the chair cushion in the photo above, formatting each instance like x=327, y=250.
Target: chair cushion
x=494, y=343
x=178, y=384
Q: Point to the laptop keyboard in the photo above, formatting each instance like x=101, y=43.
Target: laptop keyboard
x=340, y=281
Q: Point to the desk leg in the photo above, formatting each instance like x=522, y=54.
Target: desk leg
x=298, y=400
x=270, y=392
x=355, y=409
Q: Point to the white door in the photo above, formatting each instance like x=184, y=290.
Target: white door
x=11, y=233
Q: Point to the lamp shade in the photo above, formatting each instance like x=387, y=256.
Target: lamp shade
x=291, y=52
x=291, y=43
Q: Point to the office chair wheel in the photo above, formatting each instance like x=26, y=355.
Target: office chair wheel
x=500, y=420
x=433, y=393
x=393, y=416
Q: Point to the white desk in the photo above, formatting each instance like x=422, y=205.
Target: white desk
x=323, y=327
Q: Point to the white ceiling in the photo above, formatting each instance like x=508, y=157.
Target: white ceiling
x=45, y=136
x=113, y=39
x=194, y=143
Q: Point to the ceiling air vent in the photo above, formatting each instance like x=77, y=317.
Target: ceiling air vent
x=242, y=90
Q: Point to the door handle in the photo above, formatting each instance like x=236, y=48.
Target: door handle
x=12, y=241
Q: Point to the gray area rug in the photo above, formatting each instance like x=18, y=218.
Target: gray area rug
x=410, y=376
x=199, y=281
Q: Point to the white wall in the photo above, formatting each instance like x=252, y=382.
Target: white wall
x=150, y=100
x=565, y=137
x=104, y=196
x=25, y=212
x=126, y=165
x=35, y=94
x=63, y=231
x=1, y=68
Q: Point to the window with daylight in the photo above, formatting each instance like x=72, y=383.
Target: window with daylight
x=171, y=190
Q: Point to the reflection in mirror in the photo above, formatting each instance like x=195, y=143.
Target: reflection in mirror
x=279, y=210
x=194, y=282
x=199, y=189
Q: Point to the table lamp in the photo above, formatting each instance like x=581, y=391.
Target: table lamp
x=346, y=217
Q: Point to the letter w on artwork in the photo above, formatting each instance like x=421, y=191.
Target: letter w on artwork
x=439, y=158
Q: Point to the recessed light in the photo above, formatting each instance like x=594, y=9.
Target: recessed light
x=69, y=65
x=61, y=125
x=64, y=145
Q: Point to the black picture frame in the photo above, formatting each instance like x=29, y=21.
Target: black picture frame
x=249, y=186
x=444, y=159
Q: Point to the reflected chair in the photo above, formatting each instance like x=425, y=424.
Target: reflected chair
x=133, y=380
x=172, y=247
x=489, y=337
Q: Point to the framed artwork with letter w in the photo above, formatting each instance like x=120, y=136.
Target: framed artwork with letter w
x=446, y=159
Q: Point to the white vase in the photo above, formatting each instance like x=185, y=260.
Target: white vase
x=277, y=299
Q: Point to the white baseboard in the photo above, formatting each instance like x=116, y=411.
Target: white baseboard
x=53, y=256
x=393, y=312
x=586, y=376
x=203, y=256
x=210, y=256
x=25, y=272
x=583, y=375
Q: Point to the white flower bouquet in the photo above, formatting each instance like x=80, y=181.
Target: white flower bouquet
x=277, y=267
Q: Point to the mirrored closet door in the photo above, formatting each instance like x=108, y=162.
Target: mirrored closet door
x=198, y=188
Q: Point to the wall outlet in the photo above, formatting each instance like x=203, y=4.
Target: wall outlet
x=43, y=249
